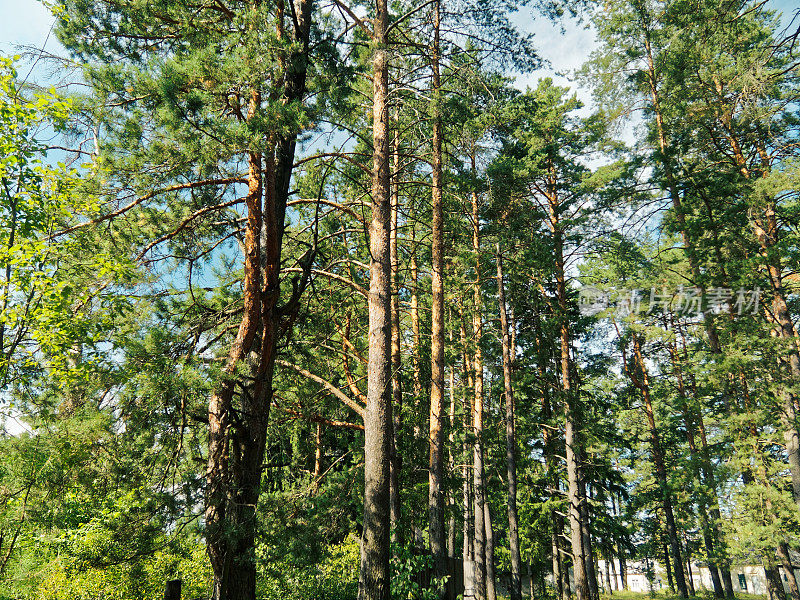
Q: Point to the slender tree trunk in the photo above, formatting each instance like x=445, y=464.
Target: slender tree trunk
x=790, y=429
x=668, y=566
x=560, y=567
x=451, y=462
x=373, y=582
x=477, y=411
x=702, y=473
x=491, y=591
x=607, y=569
x=623, y=571
x=690, y=578
x=530, y=579
x=467, y=454
x=766, y=233
x=557, y=583
x=436, y=431
x=511, y=438
x=591, y=571
x=565, y=581
x=236, y=450
x=396, y=464
x=642, y=382
x=571, y=413
x=610, y=559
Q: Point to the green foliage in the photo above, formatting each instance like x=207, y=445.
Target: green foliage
x=335, y=576
x=51, y=290
x=68, y=578
x=407, y=567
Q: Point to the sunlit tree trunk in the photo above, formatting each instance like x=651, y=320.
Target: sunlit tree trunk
x=396, y=464
x=436, y=431
x=373, y=582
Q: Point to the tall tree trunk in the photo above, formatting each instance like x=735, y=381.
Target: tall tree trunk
x=467, y=454
x=702, y=473
x=451, y=524
x=396, y=464
x=236, y=450
x=670, y=581
x=373, y=581
x=643, y=383
x=491, y=592
x=416, y=367
x=557, y=566
x=436, y=431
x=689, y=578
x=511, y=438
x=610, y=559
x=591, y=571
x=565, y=578
x=530, y=579
x=477, y=413
x=234, y=578
x=713, y=538
x=766, y=233
x=571, y=412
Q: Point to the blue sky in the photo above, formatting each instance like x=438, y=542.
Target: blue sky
x=24, y=22
x=29, y=22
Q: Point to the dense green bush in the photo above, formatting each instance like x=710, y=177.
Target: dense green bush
x=335, y=577
x=67, y=578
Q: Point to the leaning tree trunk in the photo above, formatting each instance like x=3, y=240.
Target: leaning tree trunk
x=668, y=567
x=373, y=581
x=690, y=577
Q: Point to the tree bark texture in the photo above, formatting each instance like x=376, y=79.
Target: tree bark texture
x=436, y=529
x=373, y=581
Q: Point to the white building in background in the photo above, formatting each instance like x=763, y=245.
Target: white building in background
x=748, y=579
